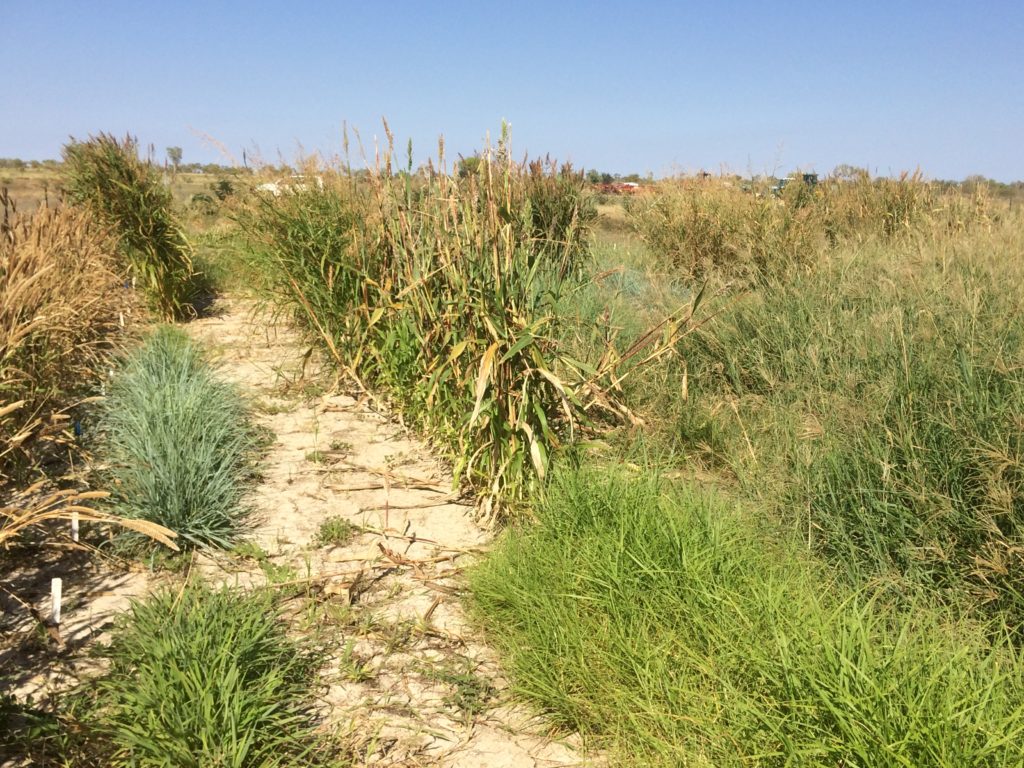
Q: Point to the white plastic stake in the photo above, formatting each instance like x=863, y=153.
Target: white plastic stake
x=56, y=588
x=74, y=527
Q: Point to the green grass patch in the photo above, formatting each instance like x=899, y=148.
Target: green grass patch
x=335, y=532
x=205, y=678
x=675, y=631
x=179, y=442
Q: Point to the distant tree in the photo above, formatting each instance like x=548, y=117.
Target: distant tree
x=607, y=178
x=174, y=155
x=847, y=172
x=594, y=177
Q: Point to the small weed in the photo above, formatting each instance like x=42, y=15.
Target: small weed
x=341, y=446
x=274, y=408
x=469, y=694
x=335, y=531
x=316, y=457
x=275, y=573
x=250, y=550
x=396, y=460
x=351, y=666
x=163, y=560
x=278, y=574
x=398, y=636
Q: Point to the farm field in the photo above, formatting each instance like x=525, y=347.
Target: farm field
x=477, y=465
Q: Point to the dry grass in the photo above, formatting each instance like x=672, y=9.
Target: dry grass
x=60, y=297
x=34, y=506
x=718, y=226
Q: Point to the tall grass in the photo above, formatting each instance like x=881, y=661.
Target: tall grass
x=60, y=302
x=441, y=293
x=203, y=678
x=875, y=403
x=126, y=193
x=677, y=632
x=179, y=442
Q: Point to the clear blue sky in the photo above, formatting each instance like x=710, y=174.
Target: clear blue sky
x=623, y=87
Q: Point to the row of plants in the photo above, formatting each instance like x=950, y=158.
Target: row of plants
x=192, y=677
x=440, y=293
x=63, y=301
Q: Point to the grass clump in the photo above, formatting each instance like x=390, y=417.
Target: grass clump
x=718, y=227
x=204, y=678
x=677, y=632
x=179, y=442
x=107, y=176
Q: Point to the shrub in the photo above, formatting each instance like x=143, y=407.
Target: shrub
x=679, y=633
x=126, y=193
x=179, y=442
x=204, y=678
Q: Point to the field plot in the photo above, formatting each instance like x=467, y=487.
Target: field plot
x=464, y=468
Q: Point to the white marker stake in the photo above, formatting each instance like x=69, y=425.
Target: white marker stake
x=56, y=587
x=74, y=527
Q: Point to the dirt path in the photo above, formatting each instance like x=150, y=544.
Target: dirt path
x=356, y=513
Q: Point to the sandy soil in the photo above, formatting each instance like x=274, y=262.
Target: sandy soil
x=409, y=680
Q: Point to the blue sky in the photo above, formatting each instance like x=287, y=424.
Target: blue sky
x=624, y=87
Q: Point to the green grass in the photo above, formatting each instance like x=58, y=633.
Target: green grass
x=335, y=532
x=179, y=442
x=673, y=630
x=206, y=678
x=875, y=404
